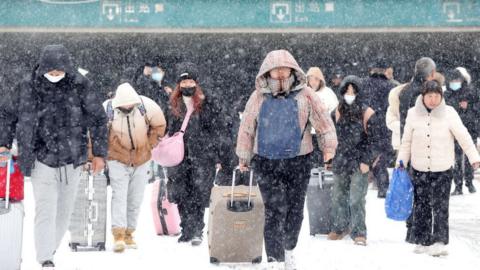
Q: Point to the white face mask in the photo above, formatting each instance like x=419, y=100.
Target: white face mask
x=349, y=99
x=54, y=79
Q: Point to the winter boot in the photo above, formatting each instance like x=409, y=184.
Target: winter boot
x=420, y=249
x=197, y=240
x=48, y=265
x=337, y=236
x=457, y=191
x=360, y=241
x=129, y=242
x=290, y=263
x=118, y=239
x=184, y=238
x=438, y=249
x=471, y=188
x=273, y=264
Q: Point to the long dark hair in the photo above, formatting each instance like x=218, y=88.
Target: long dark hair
x=351, y=112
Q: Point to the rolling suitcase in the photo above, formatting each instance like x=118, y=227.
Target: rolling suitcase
x=11, y=225
x=166, y=217
x=235, y=224
x=319, y=201
x=88, y=224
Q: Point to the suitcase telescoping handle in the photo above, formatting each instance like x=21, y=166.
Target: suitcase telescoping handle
x=249, y=186
x=7, y=184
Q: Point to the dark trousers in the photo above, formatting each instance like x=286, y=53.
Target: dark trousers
x=463, y=169
x=283, y=184
x=189, y=197
x=380, y=172
x=430, y=211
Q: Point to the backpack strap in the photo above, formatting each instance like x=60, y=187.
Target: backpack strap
x=366, y=116
x=143, y=112
x=110, y=112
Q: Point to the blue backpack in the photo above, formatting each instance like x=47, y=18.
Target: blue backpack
x=279, y=133
x=399, y=200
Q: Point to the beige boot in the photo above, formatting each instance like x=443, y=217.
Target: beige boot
x=129, y=239
x=118, y=239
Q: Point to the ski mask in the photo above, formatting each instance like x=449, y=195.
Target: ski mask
x=349, y=99
x=54, y=79
x=188, y=91
x=455, y=86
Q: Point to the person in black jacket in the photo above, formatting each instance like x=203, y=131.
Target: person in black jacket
x=465, y=100
x=357, y=150
x=51, y=114
x=192, y=180
x=153, y=80
x=376, y=88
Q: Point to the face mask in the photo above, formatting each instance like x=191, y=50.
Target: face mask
x=125, y=111
x=455, y=86
x=349, y=99
x=188, y=91
x=54, y=79
x=157, y=76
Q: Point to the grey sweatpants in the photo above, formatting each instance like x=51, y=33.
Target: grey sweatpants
x=128, y=185
x=55, y=190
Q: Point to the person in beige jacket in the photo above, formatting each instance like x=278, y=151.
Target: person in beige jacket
x=431, y=128
x=135, y=125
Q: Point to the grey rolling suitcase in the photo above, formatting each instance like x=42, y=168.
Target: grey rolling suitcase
x=235, y=224
x=88, y=224
x=319, y=201
x=11, y=230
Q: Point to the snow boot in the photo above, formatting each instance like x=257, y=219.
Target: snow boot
x=129, y=241
x=290, y=263
x=457, y=191
x=48, y=265
x=118, y=239
x=471, y=188
x=360, y=241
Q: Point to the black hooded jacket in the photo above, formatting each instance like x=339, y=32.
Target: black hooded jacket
x=470, y=115
x=356, y=144
x=51, y=120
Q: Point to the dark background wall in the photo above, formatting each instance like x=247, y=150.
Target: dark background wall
x=229, y=62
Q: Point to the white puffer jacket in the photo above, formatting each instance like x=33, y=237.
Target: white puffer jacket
x=428, y=138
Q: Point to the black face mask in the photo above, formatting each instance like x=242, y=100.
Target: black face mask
x=188, y=91
x=125, y=111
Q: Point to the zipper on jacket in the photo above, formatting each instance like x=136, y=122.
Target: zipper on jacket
x=130, y=133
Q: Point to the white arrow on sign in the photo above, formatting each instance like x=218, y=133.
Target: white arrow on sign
x=280, y=12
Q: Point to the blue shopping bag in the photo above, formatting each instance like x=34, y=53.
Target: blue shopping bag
x=399, y=200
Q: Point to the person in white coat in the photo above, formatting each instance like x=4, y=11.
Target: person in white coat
x=428, y=141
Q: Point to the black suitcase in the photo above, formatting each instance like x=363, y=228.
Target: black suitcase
x=319, y=201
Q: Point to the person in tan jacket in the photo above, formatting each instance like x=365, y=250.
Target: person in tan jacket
x=135, y=125
x=431, y=128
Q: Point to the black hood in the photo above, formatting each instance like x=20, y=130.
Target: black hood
x=351, y=79
x=55, y=57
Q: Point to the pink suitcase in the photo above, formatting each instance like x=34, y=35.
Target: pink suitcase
x=165, y=214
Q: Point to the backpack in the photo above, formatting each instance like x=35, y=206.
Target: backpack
x=111, y=112
x=279, y=132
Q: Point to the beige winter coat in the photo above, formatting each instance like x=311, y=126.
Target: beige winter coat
x=393, y=115
x=428, y=138
x=132, y=136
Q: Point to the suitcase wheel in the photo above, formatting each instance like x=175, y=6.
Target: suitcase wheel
x=73, y=246
x=101, y=246
x=214, y=260
x=257, y=260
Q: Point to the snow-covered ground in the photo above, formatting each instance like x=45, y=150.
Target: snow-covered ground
x=386, y=247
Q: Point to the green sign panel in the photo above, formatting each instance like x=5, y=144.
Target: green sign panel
x=254, y=14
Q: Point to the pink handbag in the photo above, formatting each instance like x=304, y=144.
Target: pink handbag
x=170, y=151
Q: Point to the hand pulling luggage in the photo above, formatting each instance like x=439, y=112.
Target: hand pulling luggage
x=15, y=190
x=11, y=224
x=319, y=201
x=166, y=217
x=88, y=225
x=235, y=224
